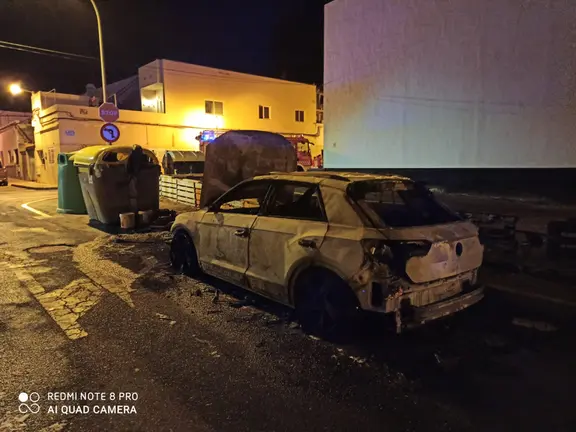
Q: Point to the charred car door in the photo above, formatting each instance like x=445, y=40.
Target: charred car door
x=224, y=231
x=290, y=229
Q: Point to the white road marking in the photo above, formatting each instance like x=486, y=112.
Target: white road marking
x=33, y=210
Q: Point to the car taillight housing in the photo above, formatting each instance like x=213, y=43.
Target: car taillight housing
x=387, y=249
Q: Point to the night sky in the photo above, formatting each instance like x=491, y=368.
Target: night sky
x=279, y=38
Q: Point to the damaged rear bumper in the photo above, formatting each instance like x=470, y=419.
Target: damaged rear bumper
x=423, y=314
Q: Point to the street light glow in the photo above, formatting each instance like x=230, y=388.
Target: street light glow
x=15, y=89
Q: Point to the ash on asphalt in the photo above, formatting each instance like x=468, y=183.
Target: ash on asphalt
x=57, y=266
x=476, y=365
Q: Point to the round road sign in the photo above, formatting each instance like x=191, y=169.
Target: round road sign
x=109, y=112
x=110, y=132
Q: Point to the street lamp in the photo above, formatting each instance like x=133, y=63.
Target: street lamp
x=101, y=43
x=16, y=89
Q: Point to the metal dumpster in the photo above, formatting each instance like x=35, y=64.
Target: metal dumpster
x=117, y=179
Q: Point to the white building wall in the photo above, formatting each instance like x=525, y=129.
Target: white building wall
x=441, y=84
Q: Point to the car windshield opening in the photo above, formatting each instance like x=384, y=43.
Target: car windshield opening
x=400, y=204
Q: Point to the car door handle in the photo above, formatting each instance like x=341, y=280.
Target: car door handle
x=241, y=232
x=307, y=243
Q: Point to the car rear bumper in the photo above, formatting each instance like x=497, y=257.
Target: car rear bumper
x=423, y=314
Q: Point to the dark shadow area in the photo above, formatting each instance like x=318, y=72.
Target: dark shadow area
x=477, y=359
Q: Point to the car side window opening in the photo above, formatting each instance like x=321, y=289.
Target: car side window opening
x=296, y=201
x=246, y=199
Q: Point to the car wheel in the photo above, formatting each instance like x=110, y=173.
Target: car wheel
x=326, y=306
x=183, y=255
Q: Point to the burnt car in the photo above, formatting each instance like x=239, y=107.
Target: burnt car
x=3, y=175
x=332, y=244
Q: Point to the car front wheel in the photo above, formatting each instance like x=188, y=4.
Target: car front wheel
x=183, y=255
x=326, y=306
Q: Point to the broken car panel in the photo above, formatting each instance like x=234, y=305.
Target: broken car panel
x=393, y=245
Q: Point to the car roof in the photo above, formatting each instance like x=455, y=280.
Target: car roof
x=338, y=179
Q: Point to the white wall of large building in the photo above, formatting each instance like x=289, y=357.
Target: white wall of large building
x=450, y=84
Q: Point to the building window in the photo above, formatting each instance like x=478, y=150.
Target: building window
x=214, y=107
x=299, y=116
x=263, y=112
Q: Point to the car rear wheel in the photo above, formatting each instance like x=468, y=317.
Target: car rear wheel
x=183, y=255
x=326, y=306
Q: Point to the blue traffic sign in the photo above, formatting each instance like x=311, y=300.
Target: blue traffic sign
x=110, y=132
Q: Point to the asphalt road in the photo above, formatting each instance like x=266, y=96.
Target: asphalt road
x=83, y=312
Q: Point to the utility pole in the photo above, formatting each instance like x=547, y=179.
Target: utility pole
x=101, y=42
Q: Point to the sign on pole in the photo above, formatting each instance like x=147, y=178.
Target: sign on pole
x=109, y=112
x=110, y=133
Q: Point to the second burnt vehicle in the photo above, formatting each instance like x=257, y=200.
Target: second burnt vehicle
x=333, y=244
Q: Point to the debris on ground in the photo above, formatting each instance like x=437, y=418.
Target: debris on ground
x=357, y=360
x=247, y=301
x=293, y=325
x=56, y=427
x=273, y=321
x=538, y=325
x=216, y=297
x=163, y=316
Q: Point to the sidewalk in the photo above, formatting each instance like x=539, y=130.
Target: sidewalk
x=31, y=185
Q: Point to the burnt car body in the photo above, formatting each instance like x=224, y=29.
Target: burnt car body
x=329, y=244
x=3, y=175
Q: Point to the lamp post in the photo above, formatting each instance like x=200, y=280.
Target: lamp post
x=101, y=43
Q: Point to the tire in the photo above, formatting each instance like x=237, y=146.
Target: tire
x=183, y=256
x=326, y=306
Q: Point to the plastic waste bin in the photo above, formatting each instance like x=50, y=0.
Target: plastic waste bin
x=117, y=179
x=70, y=199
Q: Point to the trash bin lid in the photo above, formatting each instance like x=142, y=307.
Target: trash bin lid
x=185, y=156
x=95, y=154
x=88, y=155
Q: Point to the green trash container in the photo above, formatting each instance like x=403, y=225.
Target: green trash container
x=114, y=181
x=70, y=198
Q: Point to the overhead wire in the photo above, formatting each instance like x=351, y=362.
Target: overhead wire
x=44, y=51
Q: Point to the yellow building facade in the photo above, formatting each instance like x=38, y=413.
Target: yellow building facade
x=179, y=101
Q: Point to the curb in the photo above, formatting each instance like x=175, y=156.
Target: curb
x=19, y=185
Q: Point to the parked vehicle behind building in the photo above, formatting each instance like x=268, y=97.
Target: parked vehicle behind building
x=333, y=244
x=3, y=175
